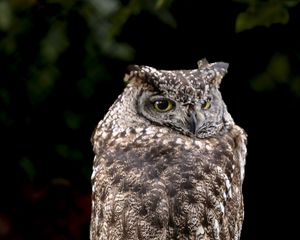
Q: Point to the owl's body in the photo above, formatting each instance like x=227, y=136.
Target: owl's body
x=169, y=160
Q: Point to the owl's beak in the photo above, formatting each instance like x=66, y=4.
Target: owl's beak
x=195, y=121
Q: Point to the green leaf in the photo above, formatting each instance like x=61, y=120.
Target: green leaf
x=68, y=152
x=262, y=14
x=28, y=167
x=72, y=120
x=5, y=96
x=105, y=7
x=5, y=15
x=55, y=42
x=279, y=68
x=277, y=71
x=41, y=83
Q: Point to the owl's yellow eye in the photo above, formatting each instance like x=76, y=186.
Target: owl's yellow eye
x=163, y=105
x=206, y=105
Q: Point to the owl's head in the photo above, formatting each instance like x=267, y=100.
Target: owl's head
x=188, y=101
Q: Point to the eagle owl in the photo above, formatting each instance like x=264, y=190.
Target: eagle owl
x=169, y=159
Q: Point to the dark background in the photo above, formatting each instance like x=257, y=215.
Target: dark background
x=62, y=65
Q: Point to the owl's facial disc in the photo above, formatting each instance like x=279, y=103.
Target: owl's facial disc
x=194, y=120
x=196, y=116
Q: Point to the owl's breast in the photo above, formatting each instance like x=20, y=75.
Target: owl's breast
x=169, y=177
x=136, y=158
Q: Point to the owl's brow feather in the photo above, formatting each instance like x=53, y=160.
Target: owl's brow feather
x=186, y=86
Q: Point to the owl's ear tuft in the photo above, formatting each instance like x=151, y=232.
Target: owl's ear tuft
x=131, y=71
x=220, y=69
x=203, y=63
x=213, y=72
x=133, y=68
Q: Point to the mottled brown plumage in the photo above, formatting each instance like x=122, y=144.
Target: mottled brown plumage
x=169, y=160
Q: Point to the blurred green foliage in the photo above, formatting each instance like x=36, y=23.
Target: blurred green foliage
x=264, y=13
x=277, y=72
x=104, y=20
x=261, y=13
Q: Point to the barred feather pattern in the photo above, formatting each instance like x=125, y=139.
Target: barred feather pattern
x=154, y=181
